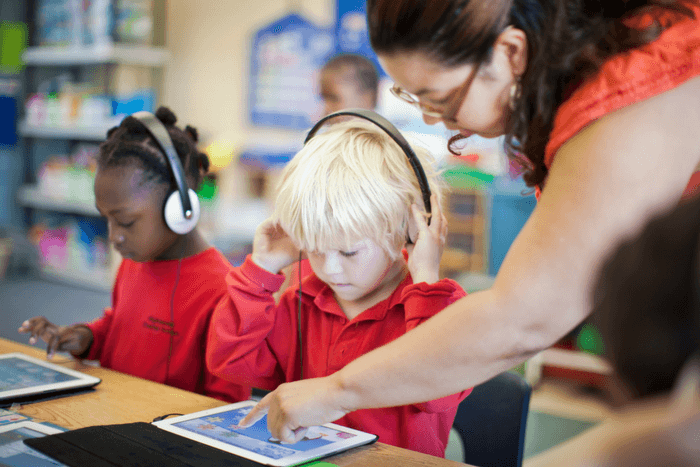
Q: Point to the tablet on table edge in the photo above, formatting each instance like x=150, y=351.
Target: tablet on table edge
x=14, y=452
x=218, y=428
x=23, y=376
x=29, y=425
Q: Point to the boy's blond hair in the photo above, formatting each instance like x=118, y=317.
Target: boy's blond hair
x=348, y=183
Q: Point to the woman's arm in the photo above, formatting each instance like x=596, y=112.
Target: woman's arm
x=605, y=182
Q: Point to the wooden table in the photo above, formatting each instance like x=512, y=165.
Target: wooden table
x=121, y=398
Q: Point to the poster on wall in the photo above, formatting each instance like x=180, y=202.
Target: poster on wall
x=352, y=36
x=286, y=57
x=351, y=33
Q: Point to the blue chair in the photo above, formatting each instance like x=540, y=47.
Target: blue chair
x=491, y=422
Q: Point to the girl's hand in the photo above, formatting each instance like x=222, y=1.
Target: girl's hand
x=293, y=407
x=273, y=250
x=75, y=339
x=424, y=256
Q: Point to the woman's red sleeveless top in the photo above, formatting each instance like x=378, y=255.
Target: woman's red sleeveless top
x=632, y=76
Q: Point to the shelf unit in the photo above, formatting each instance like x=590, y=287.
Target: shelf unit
x=98, y=64
x=574, y=365
x=466, y=247
x=81, y=133
x=109, y=53
x=96, y=279
x=32, y=197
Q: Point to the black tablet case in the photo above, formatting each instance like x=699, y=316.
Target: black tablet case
x=132, y=445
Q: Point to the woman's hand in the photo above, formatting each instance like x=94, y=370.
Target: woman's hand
x=273, y=249
x=293, y=407
x=75, y=339
x=424, y=256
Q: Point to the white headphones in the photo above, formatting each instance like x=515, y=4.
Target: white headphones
x=181, y=209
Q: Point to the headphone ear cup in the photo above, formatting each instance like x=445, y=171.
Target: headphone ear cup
x=173, y=213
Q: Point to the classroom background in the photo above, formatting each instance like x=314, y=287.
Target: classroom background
x=245, y=73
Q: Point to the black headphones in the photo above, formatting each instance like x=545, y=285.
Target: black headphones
x=394, y=133
x=181, y=208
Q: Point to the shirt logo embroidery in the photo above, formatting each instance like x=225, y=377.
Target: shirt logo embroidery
x=166, y=327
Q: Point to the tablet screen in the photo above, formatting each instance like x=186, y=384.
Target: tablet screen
x=257, y=439
x=16, y=373
x=218, y=428
x=25, y=376
x=13, y=451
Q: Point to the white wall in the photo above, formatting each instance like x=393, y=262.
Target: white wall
x=206, y=80
x=206, y=85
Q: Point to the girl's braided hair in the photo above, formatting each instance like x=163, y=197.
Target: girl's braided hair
x=131, y=143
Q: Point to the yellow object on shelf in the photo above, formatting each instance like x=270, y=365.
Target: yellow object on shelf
x=220, y=154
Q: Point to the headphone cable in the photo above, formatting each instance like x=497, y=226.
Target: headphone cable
x=301, y=347
x=172, y=309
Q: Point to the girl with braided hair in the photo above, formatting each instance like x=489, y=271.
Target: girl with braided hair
x=167, y=284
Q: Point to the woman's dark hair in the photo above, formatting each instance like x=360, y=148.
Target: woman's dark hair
x=568, y=40
x=131, y=143
x=647, y=301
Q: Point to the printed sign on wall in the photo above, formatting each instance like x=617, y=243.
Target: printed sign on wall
x=286, y=58
x=351, y=33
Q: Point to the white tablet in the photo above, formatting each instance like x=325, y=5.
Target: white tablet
x=22, y=376
x=219, y=428
x=13, y=451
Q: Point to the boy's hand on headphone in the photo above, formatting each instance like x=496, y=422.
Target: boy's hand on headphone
x=75, y=339
x=424, y=255
x=273, y=249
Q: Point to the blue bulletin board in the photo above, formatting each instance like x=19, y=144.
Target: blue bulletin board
x=9, y=94
x=265, y=158
x=286, y=57
x=351, y=33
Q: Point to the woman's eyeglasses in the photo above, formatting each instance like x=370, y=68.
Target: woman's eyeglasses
x=434, y=112
x=409, y=98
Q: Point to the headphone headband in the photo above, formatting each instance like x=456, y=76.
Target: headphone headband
x=160, y=134
x=394, y=133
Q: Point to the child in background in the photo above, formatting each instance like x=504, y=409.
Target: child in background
x=349, y=81
x=647, y=306
x=167, y=284
x=346, y=200
x=647, y=303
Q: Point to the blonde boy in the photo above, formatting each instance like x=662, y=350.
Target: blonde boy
x=348, y=200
